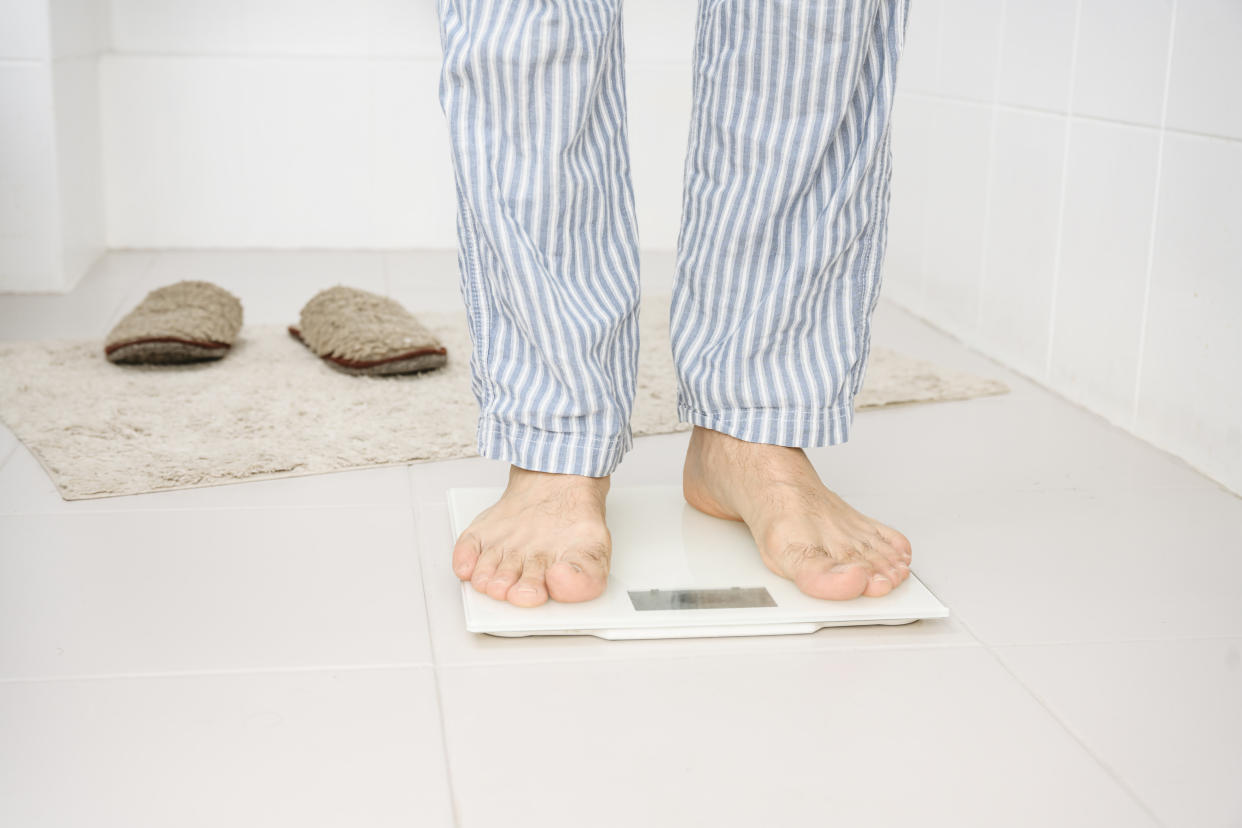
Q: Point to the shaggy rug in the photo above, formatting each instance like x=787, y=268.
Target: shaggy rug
x=271, y=409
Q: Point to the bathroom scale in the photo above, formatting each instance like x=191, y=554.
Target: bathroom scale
x=678, y=573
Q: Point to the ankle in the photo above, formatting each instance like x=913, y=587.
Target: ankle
x=521, y=478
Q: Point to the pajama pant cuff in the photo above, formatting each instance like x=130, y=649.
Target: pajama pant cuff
x=800, y=427
x=552, y=451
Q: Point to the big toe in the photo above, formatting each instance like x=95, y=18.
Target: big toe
x=833, y=581
x=578, y=576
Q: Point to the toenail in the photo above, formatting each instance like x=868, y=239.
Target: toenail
x=879, y=577
x=575, y=566
x=526, y=589
x=842, y=567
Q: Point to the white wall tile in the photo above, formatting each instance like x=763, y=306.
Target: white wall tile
x=1106, y=231
x=174, y=148
x=24, y=30
x=918, y=69
x=659, y=101
x=656, y=30
x=276, y=153
x=79, y=166
x=409, y=28
x=1027, y=171
x=970, y=38
x=413, y=199
x=1037, y=53
x=316, y=27
x=29, y=231
x=178, y=26
x=1122, y=57
x=79, y=27
x=383, y=28
x=957, y=152
x=1190, y=394
x=907, y=209
x=1206, y=70
x=307, y=130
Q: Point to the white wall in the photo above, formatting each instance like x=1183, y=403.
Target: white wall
x=1067, y=197
x=316, y=123
x=51, y=194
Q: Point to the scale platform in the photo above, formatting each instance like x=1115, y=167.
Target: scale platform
x=678, y=573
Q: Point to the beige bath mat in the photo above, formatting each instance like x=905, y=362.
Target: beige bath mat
x=271, y=409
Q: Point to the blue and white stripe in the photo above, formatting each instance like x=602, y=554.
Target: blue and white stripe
x=783, y=231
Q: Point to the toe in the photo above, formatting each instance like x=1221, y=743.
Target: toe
x=580, y=573
x=833, y=581
x=530, y=591
x=878, y=585
x=821, y=574
x=883, y=565
x=506, y=575
x=898, y=542
x=466, y=554
x=484, y=568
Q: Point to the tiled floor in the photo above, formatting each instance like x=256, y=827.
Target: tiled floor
x=292, y=652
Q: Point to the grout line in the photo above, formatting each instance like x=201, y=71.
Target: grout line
x=12, y=451
x=990, y=183
x=927, y=193
x=1099, y=760
x=130, y=298
x=680, y=652
x=71, y=512
x=1155, y=217
x=1108, y=769
x=1093, y=642
x=415, y=517
x=237, y=671
x=1068, y=115
x=1065, y=154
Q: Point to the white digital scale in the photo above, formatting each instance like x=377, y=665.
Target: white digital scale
x=678, y=573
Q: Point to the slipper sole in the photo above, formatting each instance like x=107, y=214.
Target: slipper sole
x=165, y=351
x=422, y=359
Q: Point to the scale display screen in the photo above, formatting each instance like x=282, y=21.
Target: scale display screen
x=691, y=599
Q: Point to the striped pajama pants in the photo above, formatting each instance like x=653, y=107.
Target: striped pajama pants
x=784, y=220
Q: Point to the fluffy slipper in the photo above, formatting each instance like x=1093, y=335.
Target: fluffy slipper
x=360, y=332
x=186, y=321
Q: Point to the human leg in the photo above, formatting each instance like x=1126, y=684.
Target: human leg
x=778, y=272
x=535, y=101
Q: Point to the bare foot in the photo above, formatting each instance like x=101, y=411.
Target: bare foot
x=805, y=532
x=545, y=537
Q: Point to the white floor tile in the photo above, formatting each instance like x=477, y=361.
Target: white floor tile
x=1080, y=566
x=894, y=738
x=176, y=591
x=26, y=488
x=320, y=748
x=453, y=645
x=1004, y=443
x=1166, y=716
x=8, y=443
x=424, y=280
x=90, y=310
